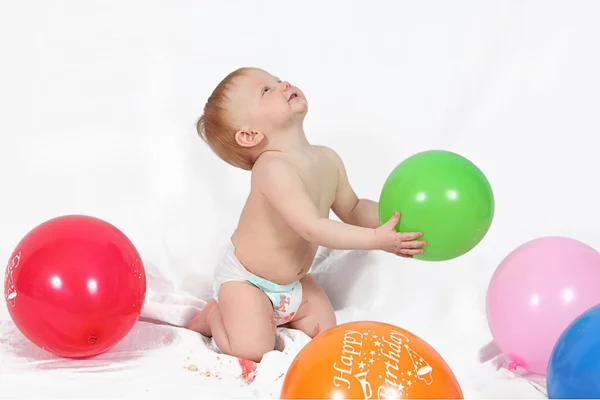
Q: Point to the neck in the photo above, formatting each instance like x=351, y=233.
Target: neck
x=291, y=140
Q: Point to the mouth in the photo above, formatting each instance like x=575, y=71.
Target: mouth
x=293, y=96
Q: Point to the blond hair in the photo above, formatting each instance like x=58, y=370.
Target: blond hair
x=216, y=129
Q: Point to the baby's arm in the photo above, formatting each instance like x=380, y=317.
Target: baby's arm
x=286, y=192
x=282, y=186
x=347, y=206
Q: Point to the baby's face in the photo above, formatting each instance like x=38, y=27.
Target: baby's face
x=262, y=102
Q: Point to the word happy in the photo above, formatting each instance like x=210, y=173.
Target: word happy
x=349, y=350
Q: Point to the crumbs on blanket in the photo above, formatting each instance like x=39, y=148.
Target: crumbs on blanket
x=194, y=368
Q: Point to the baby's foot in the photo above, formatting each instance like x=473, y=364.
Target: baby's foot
x=200, y=322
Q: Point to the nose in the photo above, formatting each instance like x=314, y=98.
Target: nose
x=285, y=85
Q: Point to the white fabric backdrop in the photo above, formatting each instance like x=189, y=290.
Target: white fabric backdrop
x=98, y=103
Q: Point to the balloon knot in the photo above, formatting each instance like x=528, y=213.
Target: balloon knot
x=513, y=365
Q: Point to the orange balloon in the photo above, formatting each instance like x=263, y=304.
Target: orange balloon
x=369, y=360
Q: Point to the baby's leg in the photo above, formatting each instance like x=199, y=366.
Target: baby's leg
x=315, y=314
x=241, y=322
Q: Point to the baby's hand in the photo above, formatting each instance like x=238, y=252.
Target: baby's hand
x=400, y=243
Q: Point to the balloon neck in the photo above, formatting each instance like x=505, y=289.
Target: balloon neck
x=514, y=365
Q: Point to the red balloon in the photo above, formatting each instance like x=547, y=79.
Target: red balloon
x=75, y=286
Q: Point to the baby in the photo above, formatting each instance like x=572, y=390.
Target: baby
x=254, y=121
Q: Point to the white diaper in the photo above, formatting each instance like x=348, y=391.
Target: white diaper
x=286, y=299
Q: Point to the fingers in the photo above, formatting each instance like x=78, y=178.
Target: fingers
x=409, y=248
x=406, y=245
x=393, y=221
x=413, y=244
x=406, y=236
x=404, y=255
x=409, y=252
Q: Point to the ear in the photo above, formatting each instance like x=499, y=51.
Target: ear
x=247, y=138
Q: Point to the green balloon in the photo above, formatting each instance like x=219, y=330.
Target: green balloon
x=443, y=195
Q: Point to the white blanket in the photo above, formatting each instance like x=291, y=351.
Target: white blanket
x=159, y=359
x=98, y=104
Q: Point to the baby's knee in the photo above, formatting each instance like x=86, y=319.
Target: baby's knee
x=252, y=350
x=329, y=321
x=326, y=322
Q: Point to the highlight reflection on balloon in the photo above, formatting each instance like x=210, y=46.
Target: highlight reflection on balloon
x=75, y=285
x=536, y=291
x=443, y=195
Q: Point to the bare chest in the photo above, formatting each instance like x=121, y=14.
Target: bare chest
x=320, y=178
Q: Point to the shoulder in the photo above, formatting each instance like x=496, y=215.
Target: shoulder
x=328, y=152
x=267, y=163
x=271, y=168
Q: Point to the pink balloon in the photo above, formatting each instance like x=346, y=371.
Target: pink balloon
x=536, y=291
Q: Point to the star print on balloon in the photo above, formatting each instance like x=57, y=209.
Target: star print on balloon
x=369, y=360
x=391, y=350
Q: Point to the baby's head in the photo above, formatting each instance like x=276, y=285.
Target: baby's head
x=249, y=112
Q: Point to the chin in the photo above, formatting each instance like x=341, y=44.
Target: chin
x=301, y=108
x=300, y=115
